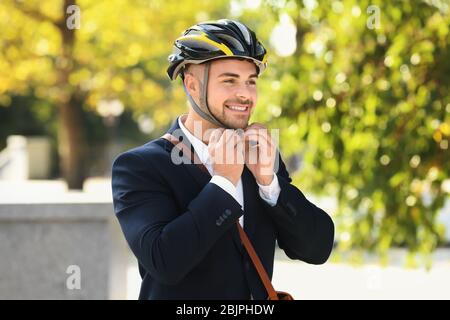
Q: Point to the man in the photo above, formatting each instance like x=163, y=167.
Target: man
x=180, y=220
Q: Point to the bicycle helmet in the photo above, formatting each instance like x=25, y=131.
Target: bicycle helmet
x=208, y=41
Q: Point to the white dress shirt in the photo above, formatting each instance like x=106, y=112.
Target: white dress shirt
x=268, y=193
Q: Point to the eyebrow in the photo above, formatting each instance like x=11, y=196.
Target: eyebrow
x=235, y=75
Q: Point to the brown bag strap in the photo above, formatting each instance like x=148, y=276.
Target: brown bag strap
x=245, y=240
x=257, y=263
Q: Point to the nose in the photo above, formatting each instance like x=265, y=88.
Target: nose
x=243, y=93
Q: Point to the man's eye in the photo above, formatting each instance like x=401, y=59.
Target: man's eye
x=229, y=81
x=252, y=83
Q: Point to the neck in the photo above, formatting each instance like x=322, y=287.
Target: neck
x=197, y=126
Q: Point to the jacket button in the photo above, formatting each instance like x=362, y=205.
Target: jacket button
x=228, y=212
x=219, y=221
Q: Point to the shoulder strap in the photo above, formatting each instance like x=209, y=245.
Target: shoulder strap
x=244, y=238
x=257, y=263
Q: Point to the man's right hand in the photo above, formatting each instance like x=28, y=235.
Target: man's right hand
x=226, y=150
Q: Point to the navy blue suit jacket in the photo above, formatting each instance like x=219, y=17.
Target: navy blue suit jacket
x=182, y=229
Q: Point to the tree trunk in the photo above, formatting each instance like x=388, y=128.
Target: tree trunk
x=72, y=143
x=71, y=136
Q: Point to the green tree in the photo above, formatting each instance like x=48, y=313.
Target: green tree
x=367, y=107
x=119, y=52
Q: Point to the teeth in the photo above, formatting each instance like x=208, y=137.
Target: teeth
x=237, y=108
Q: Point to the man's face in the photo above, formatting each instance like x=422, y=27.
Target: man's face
x=232, y=92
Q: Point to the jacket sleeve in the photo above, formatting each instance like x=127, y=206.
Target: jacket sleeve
x=304, y=231
x=168, y=243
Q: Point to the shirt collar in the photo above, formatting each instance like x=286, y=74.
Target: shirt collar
x=201, y=149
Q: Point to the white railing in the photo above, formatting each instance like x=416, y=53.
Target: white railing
x=25, y=158
x=14, y=159
x=4, y=160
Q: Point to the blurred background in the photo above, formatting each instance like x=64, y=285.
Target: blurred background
x=358, y=89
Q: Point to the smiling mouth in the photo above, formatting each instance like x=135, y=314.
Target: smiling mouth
x=238, y=108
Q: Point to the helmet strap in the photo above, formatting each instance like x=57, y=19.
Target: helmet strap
x=203, y=110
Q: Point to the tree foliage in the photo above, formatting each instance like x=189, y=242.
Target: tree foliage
x=119, y=52
x=368, y=110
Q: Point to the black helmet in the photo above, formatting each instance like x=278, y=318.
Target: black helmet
x=212, y=40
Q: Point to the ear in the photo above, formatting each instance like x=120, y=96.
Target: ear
x=191, y=83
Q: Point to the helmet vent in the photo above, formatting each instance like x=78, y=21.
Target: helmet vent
x=234, y=43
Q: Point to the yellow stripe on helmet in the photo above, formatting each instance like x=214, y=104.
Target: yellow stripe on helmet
x=264, y=60
x=204, y=38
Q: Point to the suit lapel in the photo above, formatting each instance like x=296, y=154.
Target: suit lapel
x=250, y=196
x=197, y=174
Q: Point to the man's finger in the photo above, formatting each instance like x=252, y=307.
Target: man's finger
x=228, y=135
x=255, y=125
x=257, y=136
x=215, y=135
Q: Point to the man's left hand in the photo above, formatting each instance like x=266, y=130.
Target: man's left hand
x=260, y=152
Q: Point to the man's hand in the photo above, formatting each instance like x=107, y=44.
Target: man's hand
x=260, y=152
x=226, y=150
